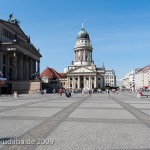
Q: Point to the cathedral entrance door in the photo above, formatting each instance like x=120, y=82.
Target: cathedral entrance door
x=81, y=82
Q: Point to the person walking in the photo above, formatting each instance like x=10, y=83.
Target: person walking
x=54, y=91
x=107, y=92
x=60, y=92
x=92, y=90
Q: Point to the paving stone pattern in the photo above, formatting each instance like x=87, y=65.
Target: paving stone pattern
x=96, y=122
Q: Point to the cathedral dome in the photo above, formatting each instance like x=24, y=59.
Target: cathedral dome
x=83, y=34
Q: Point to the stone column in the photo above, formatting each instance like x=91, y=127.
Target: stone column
x=84, y=55
x=84, y=81
x=78, y=82
x=90, y=56
x=74, y=56
x=27, y=68
x=20, y=67
x=89, y=82
x=38, y=67
x=31, y=68
x=7, y=66
x=78, y=55
x=81, y=55
x=15, y=66
x=24, y=67
x=34, y=66
x=102, y=82
x=73, y=83
x=95, y=82
x=68, y=82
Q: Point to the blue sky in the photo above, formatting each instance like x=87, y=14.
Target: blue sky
x=119, y=30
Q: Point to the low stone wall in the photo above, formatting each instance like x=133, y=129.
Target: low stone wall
x=24, y=87
x=35, y=86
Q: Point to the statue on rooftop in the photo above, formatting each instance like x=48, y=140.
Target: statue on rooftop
x=12, y=19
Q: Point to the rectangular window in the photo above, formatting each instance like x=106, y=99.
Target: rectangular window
x=71, y=85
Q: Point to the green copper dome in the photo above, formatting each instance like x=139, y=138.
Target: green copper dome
x=83, y=34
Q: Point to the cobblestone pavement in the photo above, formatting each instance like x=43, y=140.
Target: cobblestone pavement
x=96, y=122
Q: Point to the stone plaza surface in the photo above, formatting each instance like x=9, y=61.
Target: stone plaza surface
x=97, y=122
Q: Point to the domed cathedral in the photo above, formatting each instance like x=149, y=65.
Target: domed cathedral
x=82, y=73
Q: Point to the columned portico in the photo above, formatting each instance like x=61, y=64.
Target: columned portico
x=17, y=66
x=81, y=81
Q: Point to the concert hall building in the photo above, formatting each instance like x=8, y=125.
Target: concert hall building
x=19, y=58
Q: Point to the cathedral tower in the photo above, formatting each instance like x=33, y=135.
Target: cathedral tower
x=83, y=49
x=82, y=73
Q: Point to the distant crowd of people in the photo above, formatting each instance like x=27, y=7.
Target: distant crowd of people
x=84, y=91
x=60, y=91
x=87, y=91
